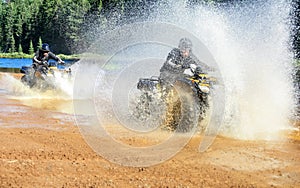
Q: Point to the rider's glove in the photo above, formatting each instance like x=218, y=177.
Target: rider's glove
x=185, y=65
x=45, y=63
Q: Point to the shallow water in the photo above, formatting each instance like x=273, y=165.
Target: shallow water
x=14, y=62
x=58, y=105
x=17, y=63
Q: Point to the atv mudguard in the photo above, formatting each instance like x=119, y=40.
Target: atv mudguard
x=25, y=69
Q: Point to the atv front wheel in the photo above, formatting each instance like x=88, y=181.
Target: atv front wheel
x=26, y=80
x=182, y=115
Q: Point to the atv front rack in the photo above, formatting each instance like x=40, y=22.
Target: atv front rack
x=148, y=84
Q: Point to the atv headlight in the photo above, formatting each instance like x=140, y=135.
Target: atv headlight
x=204, y=89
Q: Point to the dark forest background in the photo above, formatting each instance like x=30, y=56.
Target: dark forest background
x=69, y=24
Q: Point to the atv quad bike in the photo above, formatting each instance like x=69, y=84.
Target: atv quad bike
x=186, y=100
x=42, y=77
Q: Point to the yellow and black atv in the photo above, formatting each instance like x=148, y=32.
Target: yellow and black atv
x=186, y=100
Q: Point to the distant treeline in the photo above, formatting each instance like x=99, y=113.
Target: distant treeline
x=59, y=22
x=69, y=25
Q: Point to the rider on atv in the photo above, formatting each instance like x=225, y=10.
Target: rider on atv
x=42, y=56
x=40, y=74
x=178, y=60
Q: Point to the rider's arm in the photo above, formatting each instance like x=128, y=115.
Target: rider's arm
x=35, y=58
x=171, y=59
x=56, y=58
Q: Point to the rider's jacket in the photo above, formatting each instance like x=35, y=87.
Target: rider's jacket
x=43, y=58
x=176, y=63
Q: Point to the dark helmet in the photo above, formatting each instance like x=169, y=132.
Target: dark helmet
x=185, y=44
x=45, y=47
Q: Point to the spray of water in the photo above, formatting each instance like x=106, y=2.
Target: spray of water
x=250, y=42
x=54, y=99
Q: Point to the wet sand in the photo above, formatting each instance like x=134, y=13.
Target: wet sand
x=42, y=147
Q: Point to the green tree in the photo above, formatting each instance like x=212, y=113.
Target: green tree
x=7, y=26
x=17, y=19
x=74, y=17
x=40, y=43
x=1, y=25
x=31, y=50
x=30, y=26
x=12, y=48
x=20, y=49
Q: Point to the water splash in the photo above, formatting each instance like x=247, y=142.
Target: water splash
x=250, y=42
x=15, y=87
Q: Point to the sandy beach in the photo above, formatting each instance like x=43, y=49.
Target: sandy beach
x=42, y=147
